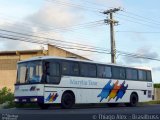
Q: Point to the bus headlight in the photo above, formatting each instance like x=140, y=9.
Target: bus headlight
x=33, y=99
x=16, y=100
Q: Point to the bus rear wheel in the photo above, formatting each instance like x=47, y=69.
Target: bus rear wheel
x=68, y=100
x=133, y=100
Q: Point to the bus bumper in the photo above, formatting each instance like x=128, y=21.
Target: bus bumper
x=29, y=99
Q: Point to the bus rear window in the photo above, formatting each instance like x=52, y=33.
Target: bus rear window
x=149, y=76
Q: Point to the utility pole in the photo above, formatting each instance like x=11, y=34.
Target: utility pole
x=112, y=23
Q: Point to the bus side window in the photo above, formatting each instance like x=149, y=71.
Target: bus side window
x=65, y=68
x=88, y=70
x=100, y=71
x=142, y=75
x=131, y=74
x=92, y=71
x=53, y=73
x=104, y=71
x=118, y=72
x=149, y=76
x=108, y=73
x=74, y=69
x=84, y=70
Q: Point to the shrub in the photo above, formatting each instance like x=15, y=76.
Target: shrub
x=156, y=85
x=6, y=95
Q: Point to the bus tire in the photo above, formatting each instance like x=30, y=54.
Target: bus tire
x=133, y=100
x=68, y=100
x=44, y=106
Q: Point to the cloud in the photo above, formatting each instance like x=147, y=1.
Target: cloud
x=144, y=51
x=55, y=16
x=40, y=23
x=138, y=37
x=110, y=3
x=156, y=68
x=8, y=44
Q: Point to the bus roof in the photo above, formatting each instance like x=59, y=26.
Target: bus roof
x=78, y=60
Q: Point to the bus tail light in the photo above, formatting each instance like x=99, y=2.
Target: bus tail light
x=149, y=94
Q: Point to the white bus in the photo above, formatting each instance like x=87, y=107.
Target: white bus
x=67, y=81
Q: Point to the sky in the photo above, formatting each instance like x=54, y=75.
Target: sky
x=81, y=22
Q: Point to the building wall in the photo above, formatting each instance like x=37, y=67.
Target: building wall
x=156, y=93
x=8, y=63
x=54, y=51
x=8, y=69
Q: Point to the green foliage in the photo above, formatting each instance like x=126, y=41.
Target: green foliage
x=6, y=95
x=151, y=102
x=156, y=85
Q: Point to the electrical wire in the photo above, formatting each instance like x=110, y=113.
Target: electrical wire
x=76, y=48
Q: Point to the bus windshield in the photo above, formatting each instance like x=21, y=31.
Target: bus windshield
x=29, y=72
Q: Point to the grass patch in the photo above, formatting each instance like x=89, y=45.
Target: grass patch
x=151, y=102
x=14, y=105
x=157, y=85
x=7, y=98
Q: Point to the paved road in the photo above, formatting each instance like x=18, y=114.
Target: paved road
x=85, y=112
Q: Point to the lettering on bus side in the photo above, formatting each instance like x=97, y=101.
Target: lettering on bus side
x=83, y=82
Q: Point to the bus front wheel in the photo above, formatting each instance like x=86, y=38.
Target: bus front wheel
x=68, y=100
x=133, y=100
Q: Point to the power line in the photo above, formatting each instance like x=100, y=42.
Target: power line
x=75, y=5
x=147, y=25
x=59, y=46
x=96, y=4
x=39, y=37
x=145, y=18
x=64, y=45
x=67, y=47
x=24, y=25
x=66, y=28
x=145, y=32
x=138, y=56
x=141, y=19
